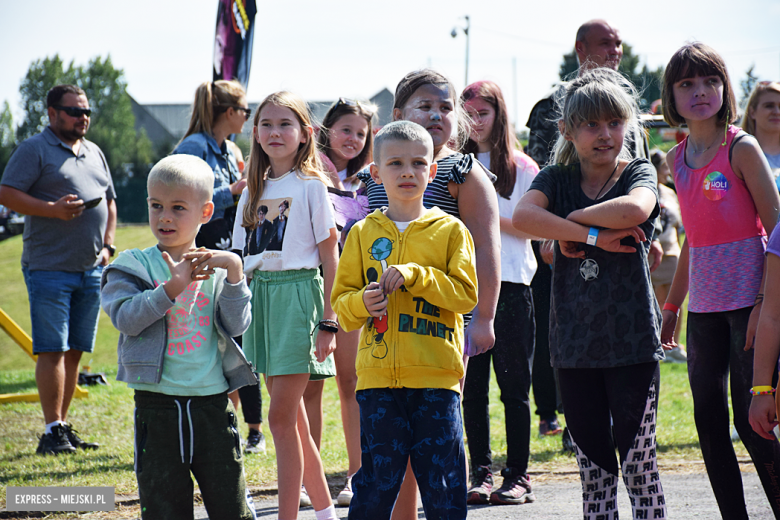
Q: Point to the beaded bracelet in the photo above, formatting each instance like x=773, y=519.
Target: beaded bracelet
x=762, y=390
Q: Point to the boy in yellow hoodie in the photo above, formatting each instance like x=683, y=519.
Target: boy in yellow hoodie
x=406, y=274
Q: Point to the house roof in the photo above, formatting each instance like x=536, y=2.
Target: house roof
x=169, y=122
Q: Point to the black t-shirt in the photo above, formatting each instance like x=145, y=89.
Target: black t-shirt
x=602, y=315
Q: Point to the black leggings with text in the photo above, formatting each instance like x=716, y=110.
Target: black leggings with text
x=629, y=396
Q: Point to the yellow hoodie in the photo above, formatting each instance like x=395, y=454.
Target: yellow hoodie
x=419, y=343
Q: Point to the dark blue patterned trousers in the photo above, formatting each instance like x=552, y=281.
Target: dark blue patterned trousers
x=397, y=424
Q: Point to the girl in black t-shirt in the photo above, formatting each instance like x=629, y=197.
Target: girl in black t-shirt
x=604, y=321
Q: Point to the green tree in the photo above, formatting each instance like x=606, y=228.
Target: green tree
x=748, y=84
x=569, y=66
x=647, y=81
x=41, y=76
x=7, y=135
x=112, y=126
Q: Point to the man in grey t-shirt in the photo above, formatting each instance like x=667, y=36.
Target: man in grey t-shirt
x=62, y=184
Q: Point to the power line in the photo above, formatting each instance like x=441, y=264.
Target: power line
x=516, y=37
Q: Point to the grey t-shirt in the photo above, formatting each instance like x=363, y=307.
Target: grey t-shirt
x=612, y=318
x=47, y=169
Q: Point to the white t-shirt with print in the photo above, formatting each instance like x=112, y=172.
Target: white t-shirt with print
x=301, y=216
x=518, y=264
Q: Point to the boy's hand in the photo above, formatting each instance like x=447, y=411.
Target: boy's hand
x=192, y=267
x=391, y=280
x=224, y=260
x=375, y=300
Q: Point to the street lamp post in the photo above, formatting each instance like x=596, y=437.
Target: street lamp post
x=465, y=30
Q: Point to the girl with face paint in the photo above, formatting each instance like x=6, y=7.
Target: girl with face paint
x=461, y=188
x=729, y=205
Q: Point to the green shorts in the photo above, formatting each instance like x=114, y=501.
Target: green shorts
x=286, y=306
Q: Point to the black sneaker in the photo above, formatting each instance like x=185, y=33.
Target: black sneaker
x=516, y=489
x=481, y=486
x=255, y=442
x=55, y=442
x=78, y=442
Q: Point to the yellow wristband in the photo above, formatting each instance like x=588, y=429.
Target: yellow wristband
x=765, y=388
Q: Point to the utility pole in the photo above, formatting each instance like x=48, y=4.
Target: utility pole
x=466, y=31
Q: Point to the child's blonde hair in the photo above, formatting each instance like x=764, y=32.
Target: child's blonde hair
x=598, y=94
x=307, y=161
x=748, y=123
x=186, y=171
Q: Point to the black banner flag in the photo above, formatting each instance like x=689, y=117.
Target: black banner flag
x=233, y=40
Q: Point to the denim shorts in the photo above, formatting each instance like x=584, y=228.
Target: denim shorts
x=64, y=309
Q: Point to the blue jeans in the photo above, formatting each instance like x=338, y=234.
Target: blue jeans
x=64, y=309
x=399, y=423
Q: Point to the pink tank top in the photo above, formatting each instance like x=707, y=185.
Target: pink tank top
x=724, y=232
x=716, y=205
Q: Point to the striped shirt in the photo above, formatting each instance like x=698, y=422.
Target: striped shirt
x=452, y=168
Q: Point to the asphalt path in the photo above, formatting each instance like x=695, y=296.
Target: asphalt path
x=688, y=496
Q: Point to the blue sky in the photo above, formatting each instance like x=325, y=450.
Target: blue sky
x=323, y=50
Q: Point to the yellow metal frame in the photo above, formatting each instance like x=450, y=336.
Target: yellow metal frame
x=25, y=341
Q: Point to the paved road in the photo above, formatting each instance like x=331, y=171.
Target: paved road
x=688, y=496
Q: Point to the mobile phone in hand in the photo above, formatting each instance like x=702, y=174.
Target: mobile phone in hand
x=92, y=203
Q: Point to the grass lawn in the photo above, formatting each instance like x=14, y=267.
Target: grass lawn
x=105, y=415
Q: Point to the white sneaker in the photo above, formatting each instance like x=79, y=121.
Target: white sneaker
x=305, y=500
x=345, y=496
x=676, y=355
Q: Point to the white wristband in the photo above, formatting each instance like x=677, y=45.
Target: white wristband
x=593, y=235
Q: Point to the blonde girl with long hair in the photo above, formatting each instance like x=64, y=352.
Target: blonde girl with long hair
x=292, y=335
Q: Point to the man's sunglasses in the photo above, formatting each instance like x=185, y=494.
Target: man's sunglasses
x=247, y=111
x=74, y=111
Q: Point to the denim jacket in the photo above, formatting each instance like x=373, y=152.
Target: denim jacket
x=221, y=160
x=137, y=309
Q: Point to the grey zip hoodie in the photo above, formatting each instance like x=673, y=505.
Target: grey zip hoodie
x=137, y=309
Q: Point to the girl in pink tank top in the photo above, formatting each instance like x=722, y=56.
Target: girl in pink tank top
x=728, y=202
